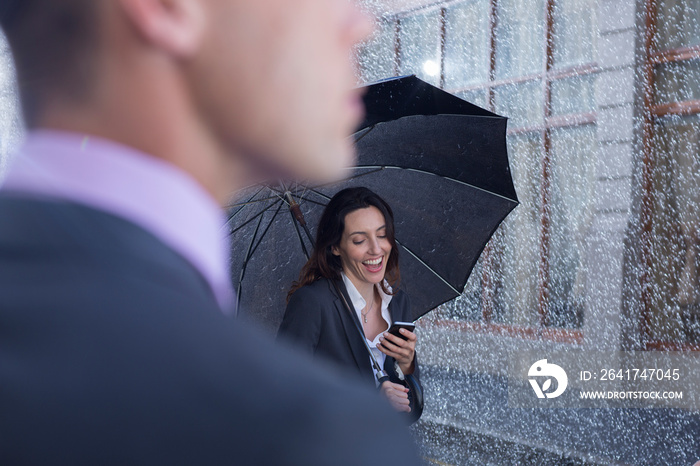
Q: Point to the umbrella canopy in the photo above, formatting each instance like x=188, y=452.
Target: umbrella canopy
x=439, y=161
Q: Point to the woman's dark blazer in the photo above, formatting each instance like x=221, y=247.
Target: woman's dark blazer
x=317, y=322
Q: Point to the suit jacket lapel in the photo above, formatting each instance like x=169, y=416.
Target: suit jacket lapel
x=350, y=324
x=389, y=361
x=394, y=312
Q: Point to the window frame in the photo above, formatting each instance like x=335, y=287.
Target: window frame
x=651, y=113
x=546, y=76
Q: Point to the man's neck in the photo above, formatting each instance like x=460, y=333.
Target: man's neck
x=153, y=115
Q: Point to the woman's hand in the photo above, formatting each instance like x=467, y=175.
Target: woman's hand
x=397, y=396
x=404, y=351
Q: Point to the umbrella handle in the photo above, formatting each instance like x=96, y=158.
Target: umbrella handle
x=296, y=210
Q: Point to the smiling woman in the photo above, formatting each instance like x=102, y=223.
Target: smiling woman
x=355, y=254
x=326, y=260
x=364, y=249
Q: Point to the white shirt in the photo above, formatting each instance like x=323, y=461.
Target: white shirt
x=359, y=303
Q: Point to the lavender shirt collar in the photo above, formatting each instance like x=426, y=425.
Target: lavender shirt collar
x=145, y=190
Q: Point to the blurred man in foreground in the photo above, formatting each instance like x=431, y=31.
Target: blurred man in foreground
x=145, y=116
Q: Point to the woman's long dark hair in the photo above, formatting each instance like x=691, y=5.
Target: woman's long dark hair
x=323, y=263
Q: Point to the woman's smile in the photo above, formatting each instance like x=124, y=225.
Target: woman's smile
x=374, y=265
x=364, y=248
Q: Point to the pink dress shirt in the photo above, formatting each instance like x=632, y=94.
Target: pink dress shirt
x=151, y=193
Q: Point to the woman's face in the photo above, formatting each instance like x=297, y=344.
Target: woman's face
x=364, y=247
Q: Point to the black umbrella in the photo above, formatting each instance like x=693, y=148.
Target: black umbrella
x=439, y=161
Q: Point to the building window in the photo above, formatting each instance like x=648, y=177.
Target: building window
x=534, y=61
x=420, y=46
x=671, y=207
x=376, y=58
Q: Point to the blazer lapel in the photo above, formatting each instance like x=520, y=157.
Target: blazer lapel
x=350, y=324
x=394, y=312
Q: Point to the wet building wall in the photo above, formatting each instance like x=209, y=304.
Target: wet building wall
x=602, y=253
x=10, y=124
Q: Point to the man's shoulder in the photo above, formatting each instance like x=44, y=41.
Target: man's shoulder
x=35, y=222
x=201, y=387
x=82, y=245
x=350, y=424
x=301, y=409
x=37, y=217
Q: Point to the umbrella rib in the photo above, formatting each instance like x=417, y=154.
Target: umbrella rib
x=425, y=172
x=306, y=199
x=327, y=198
x=360, y=175
x=320, y=194
x=259, y=214
x=369, y=130
x=244, y=204
x=251, y=202
x=428, y=267
x=248, y=255
x=269, y=225
x=376, y=169
x=301, y=239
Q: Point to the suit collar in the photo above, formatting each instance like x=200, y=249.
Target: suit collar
x=395, y=311
x=351, y=324
x=124, y=182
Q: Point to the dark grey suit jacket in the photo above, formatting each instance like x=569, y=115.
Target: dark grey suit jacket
x=317, y=321
x=113, y=351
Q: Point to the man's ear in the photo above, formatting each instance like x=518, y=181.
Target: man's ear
x=175, y=26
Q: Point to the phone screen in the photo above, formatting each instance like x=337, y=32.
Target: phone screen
x=394, y=330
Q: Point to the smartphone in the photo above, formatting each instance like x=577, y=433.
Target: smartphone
x=396, y=326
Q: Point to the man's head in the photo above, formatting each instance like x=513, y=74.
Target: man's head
x=267, y=81
x=54, y=45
